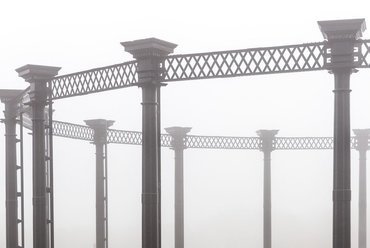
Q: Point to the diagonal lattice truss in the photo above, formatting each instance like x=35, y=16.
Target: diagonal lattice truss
x=222, y=142
x=95, y=80
x=294, y=58
x=233, y=63
x=307, y=143
x=74, y=131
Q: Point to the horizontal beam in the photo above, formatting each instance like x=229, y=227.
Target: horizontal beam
x=74, y=131
x=95, y=80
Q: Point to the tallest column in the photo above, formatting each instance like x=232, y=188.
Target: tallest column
x=341, y=36
x=150, y=54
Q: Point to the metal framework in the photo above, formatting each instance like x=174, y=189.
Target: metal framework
x=341, y=53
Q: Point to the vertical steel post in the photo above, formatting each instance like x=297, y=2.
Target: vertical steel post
x=150, y=54
x=38, y=76
x=362, y=146
x=341, y=39
x=100, y=127
x=178, y=144
x=267, y=146
x=11, y=190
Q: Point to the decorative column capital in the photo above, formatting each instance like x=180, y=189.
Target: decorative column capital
x=178, y=135
x=341, y=36
x=151, y=47
x=267, y=137
x=6, y=96
x=100, y=127
x=37, y=76
x=362, y=139
x=149, y=54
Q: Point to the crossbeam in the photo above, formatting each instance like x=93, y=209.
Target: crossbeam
x=114, y=136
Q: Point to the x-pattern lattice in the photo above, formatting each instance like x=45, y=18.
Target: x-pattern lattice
x=294, y=58
x=95, y=80
x=124, y=137
x=73, y=131
x=363, y=51
x=219, y=142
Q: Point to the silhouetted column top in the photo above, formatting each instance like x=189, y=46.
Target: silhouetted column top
x=100, y=127
x=267, y=137
x=178, y=134
x=363, y=136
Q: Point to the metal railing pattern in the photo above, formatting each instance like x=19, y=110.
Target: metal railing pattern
x=114, y=136
x=95, y=80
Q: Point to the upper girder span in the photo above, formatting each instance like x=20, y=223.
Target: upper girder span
x=221, y=64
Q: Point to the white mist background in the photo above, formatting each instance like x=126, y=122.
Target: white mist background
x=223, y=189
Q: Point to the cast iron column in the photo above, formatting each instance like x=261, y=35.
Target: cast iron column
x=150, y=54
x=178, y=144
x=11, y=190
x=362, y=145
x=100, y=128
x=38, y=76
x=341, y=38
x=267, y=146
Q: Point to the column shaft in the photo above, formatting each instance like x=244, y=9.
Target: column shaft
x=267, y=200
x=150, y=168
x=342, y=166
x=39, y=176
x=179, y=198
x=362, y=216
x=11, y=176
x=99, y=189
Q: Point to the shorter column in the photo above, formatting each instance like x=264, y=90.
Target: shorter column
x=178, y=144
x=100, y=127
x=362, y=146
x=38, y=76
x=267, y=146
x=11, y=201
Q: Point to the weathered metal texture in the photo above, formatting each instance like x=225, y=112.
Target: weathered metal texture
x=178, y=144
x=38, y=76
x=95, y=80
x=362, y=146
x=268, y=143
x=100, y=127
x=150, y=54
x=342, y=36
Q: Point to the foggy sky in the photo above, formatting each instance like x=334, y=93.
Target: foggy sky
x=223, y=189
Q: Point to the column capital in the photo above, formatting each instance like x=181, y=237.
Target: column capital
x=8, y=95
x=267, y=137
x=37, y=73
x=100, y=127
x=341, y=36
x=37, y=76
x=335, y=30
x=362, y=139
x=151, y=47
x=178, y=135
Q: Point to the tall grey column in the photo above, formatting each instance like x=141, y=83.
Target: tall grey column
x=11, y=190
x=150, y=54
x=362, y=146
x=38, y=76
x=341, y=38
x=178, y=144
x=267, y=146
x=100, y=128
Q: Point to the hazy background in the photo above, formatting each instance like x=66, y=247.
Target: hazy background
x=223, y=189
